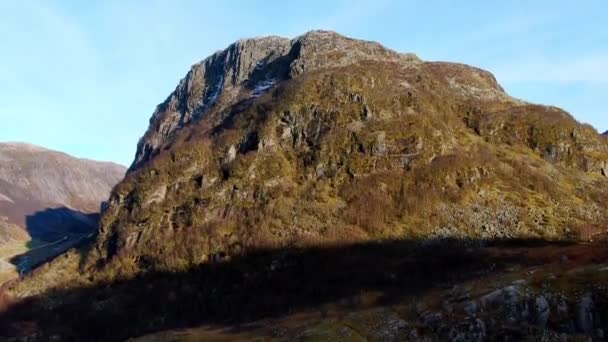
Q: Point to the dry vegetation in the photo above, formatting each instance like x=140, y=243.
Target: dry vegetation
x=353, y=154
x=335, y=158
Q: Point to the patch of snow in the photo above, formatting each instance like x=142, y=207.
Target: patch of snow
x=6, y=198
x=218, y=89
x=262, y=87
x=209, y=100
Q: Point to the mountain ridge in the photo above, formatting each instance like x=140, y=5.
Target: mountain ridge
x=25, y=164
x=33, y=147
x=234, y=75
x=327, y=110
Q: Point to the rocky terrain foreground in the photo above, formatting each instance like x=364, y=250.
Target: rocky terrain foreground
x=526, y=291
x=323, y=188
x=48, y=201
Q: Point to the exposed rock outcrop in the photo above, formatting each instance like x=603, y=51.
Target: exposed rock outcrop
x=247, y=68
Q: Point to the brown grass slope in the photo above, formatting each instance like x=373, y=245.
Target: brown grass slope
x=352, y=143
x=376, y=148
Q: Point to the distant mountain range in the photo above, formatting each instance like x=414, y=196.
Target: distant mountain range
x=46, y=196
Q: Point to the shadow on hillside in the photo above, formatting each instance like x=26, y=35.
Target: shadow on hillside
x=53, y=231
x=52, y=224
x=259, y=285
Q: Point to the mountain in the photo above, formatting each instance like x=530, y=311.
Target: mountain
x=325, y=139
x=245, y=71
x=46, y=196
x=286, y=175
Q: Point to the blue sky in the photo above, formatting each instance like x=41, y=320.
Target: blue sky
x=84, y=76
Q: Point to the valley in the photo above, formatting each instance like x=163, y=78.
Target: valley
x=49, y=202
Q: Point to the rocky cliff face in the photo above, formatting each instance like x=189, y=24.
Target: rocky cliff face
x=327, y=139
x=33, y=179
x=247, y=68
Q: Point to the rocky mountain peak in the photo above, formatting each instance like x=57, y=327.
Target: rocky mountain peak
x=357, y=140
x=248, y=68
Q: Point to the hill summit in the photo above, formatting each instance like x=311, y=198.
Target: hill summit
x=327, y=139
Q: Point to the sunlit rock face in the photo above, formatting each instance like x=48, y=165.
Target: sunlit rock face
x=324, y=139
x=249, y=67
